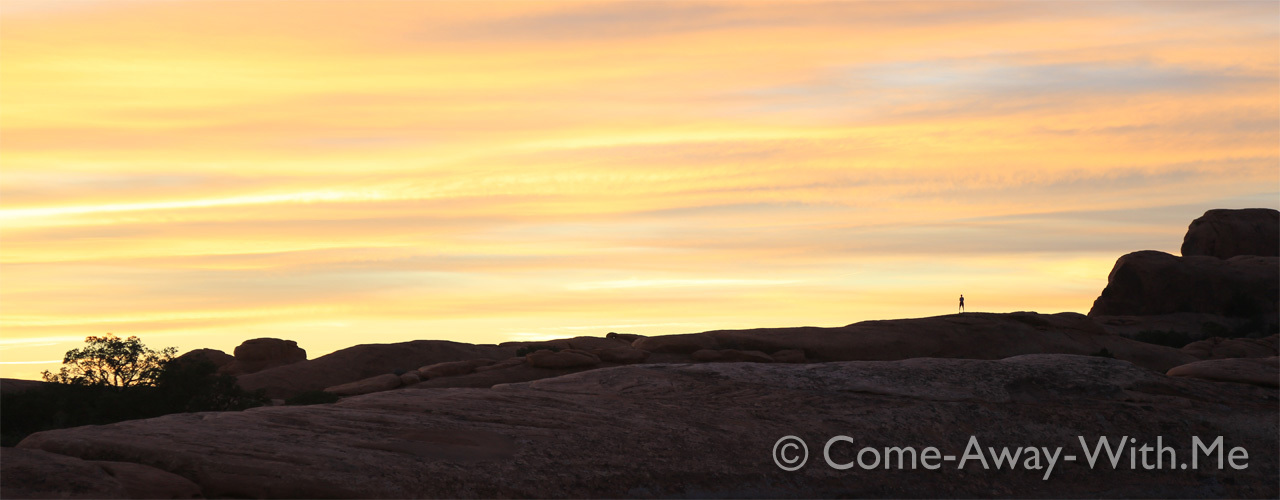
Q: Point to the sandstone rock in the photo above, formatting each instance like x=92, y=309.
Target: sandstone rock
x=568, y=358
x=622, y=355
x=452, y=368
x=686, y=343
x=377, y=383
x=1226, y=233
x=34, y=473
x=1150, y=282
x=1258, y=371
x=788, y=356
x=969, y=335
x=409, y=378
x=363, y=361
x=217, y=358
x=255, y=355
x=731, y=356
x=141, y=481
x=1220, y=348
x=502, y=365
x=585, y=343
x=706, y=430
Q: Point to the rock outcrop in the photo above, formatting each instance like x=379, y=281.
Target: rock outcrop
x=1224, y=233
x=364, y=361
x=255, y=355
x=706, y=430
x=969, y=335
x=376, y=383
x=1260, y=371
x=219, y=359
x=1151, y=282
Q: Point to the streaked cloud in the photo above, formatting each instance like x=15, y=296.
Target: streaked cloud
x=200, y=173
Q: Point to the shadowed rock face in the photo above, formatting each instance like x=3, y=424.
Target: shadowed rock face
x=26, y=473
x=1226, y=233
x=1151, y=282
x=708, y=430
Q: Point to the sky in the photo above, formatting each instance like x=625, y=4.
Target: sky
x=338, y=172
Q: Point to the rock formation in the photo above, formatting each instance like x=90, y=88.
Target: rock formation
x=1226, y=233
x=255, y=355
x=364, y=361
x=1150, y=282
x=706, y=430
x=1230, y=266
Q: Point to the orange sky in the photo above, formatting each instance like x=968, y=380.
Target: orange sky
x=340, y=172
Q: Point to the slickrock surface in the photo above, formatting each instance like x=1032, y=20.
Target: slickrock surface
x=708, y=430
x=1260, y=371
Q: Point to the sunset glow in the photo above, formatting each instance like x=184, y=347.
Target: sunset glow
x=339, y=172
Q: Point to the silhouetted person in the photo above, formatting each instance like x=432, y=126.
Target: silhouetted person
x=962, y=302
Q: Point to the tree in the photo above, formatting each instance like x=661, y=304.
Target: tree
x=112, y=361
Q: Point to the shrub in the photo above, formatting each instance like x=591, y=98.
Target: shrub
x=1104, y=353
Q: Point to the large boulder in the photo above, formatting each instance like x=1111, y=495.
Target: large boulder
x=706, y=430
x=363, y=361
x=1226, y=233
x=1259, y=371
x=255, y=355
x=16, y=385
x=1150, y=282
x=221, y=360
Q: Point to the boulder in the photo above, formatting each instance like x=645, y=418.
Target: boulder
x=363, y=361
x=1151, y=282
x=1257, y=371
x=1226, y=233
x=255, y=355
x=731, y=356
x=409, y=378
x=568, y=358
x=384, y=382
x=625, y=355
x=452, y=368
x=685, y=343
x=1220, y=348
x=788, y=356
x=217, y=358
x=706, y=430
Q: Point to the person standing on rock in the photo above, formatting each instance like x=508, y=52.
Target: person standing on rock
x=962, y=302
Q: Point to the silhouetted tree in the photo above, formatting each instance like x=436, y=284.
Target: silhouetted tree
x=111, y=360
